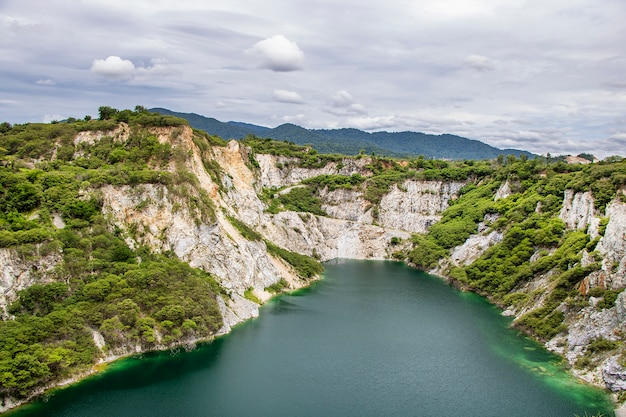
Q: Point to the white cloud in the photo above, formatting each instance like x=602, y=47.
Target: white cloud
x=285, y=96
x=479, y=63
x=278, y=54
x=297, y=118
x=372, y=123
x=47, y=81
x=343, y=103
x=342, y=99
x=113, y=67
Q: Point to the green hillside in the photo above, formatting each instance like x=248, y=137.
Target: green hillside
x=354, y=141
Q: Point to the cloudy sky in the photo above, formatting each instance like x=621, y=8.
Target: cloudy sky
x=540, y=75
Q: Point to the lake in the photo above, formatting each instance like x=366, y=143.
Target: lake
x=371, y=339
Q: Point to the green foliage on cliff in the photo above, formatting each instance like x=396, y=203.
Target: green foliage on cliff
x=305, y=156
x=534, y=240
x=305, y=266
x=99, y=285
x=96, y=282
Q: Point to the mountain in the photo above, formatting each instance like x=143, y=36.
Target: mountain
x=350, y=141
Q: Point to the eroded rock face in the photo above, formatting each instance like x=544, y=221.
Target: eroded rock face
x=119, y=134
x=17, y=273
x=614, y=375
x=414, y=206
x=613, y=245
x=578, y=212
x=474, y=247
x=282, y=171
x=504, y=191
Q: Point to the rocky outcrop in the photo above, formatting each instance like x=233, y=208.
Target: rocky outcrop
x=614, y=375
x=120, y=134
x=578, y=212
x=282, y=171
x=474, y=247
x=613, y=245
x=414, y=206
x=504, y=191
x=20, y=272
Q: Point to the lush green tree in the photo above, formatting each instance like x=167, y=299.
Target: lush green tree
x=106, y=112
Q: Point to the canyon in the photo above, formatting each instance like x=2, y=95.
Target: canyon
x=153, y=215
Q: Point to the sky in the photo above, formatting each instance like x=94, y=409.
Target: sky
x=547, y=76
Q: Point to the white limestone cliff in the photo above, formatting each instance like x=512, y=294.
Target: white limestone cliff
x=578, y=212
x=19, y=272
x=160, y=217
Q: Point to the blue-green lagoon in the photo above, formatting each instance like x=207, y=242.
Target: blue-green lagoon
x=370, y=339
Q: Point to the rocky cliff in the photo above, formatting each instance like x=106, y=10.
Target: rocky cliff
x=593, y=331
x=217, y=220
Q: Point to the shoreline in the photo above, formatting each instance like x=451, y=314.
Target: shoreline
x=11, y=404
x=619, y=409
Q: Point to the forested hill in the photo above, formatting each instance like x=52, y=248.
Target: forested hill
x=354, y=141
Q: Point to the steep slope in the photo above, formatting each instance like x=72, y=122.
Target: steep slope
x=553, y=257
x=105, y=242
x=104, y=233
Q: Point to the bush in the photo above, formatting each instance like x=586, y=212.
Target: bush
x=305, y=266
x=302, y=199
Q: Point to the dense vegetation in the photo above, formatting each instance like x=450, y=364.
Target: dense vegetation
x=529, y=223
x=50, y=208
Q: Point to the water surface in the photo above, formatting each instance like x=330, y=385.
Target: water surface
x=371, y=339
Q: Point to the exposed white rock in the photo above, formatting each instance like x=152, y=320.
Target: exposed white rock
x=17, y=273
x=578, y=212
x=237, y=310
x=613, y=243
x=414, y=206
x=614, y=375
x=591, y=324
x=120, y=134
x=217, y=248
x=503, y=192
x=474, y=247
x=346, y=204
x=58, y=221
x=281, y=171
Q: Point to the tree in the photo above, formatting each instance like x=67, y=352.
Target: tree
x=5, y=127
x=123, y=116
x=106, y=112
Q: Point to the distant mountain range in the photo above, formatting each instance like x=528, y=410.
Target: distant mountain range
x=353, y=141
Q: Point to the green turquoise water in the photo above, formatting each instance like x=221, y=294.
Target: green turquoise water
x=371, y=339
